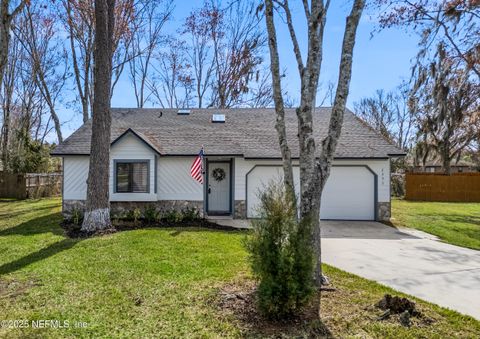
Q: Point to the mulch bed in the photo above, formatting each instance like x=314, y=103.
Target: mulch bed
x=238, y=300
x=74, y=231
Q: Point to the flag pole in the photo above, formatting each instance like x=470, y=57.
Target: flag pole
x=203, y=167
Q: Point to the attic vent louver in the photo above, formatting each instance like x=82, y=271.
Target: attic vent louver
x=183, y=112
x=219, y=118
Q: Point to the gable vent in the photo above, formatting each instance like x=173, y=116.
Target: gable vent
x=218, y=118
x=183, y=112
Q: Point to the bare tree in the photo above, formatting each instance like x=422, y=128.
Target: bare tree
x=448, y=105
x=197, y=29
x=6, y=17
x=260, y=92
x=80, y=29
x=79, y=21
x=390, y=115
x=377, y=112
x=172, y=86
x=97, y=209
x=237, y=44
x=314, y=170
x=8, y=90
x=37, y=33
x=151, y=18
x=26, y=117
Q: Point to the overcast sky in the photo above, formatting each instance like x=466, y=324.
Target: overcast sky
x=381, y=61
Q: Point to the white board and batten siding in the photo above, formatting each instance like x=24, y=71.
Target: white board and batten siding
x=348, y=194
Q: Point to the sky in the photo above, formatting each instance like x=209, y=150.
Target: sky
x=380, y=61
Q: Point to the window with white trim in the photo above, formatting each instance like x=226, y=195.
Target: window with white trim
x=132, y=176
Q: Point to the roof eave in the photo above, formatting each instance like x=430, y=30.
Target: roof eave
x=146, y=142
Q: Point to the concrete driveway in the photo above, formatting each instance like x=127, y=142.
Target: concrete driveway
x=406, y=260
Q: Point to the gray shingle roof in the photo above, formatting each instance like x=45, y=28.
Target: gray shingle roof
x=246, y=132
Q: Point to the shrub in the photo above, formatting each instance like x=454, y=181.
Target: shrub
x=137, y=214
x=398, y=185
x=134, y=215
x=190, y=214
x=150, y=214
x=173, y=216
x=281, y=255
x=77, y=216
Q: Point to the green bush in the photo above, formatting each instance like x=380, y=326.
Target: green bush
x=77, y=216
x=281, y=255
x=190, y=214
x=150, y=214
x=173, y=216
x=134, y=215
x=398, y=185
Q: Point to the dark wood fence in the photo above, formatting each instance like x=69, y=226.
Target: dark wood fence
x=30, y=185
x=12, y=185
x=458, y=187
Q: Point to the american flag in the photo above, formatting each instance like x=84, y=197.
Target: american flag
x=196, y=170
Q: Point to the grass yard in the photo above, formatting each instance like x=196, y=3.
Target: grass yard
x=162, y=283
x=454, y=223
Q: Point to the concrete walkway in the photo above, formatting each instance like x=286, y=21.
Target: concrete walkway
x=406, y=260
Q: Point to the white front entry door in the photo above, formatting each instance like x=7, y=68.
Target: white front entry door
x=218, y=190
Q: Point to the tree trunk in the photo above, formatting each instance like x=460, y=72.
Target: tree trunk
x=97, y=212
x=5, y=135
x=314, y=171
x=4, y=37
x=329, y=144
x=278, y=100
x=446, y=158
x=5, y=23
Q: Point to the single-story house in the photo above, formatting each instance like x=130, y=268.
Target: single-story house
x=152, y=151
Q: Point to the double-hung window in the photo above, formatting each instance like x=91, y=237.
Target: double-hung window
x=132, y=176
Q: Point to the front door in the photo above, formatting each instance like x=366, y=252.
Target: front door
x=218, y=190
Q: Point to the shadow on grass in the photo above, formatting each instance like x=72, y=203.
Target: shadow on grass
x=46, y=224
x=42, y=254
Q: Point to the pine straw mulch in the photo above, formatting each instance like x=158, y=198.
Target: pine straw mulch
x=345, y=312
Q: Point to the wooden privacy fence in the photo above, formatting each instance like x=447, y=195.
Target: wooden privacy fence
x=458, y=187
x=12, y=185
x=30, y=185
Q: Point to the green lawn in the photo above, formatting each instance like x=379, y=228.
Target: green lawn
x=455, y=223
x=160, y=283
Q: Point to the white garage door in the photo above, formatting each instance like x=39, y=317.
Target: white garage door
x=348, y=195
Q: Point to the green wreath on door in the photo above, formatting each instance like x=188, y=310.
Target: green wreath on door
x=218, y=174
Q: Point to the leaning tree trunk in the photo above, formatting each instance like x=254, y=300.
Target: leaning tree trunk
x=97, y=210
